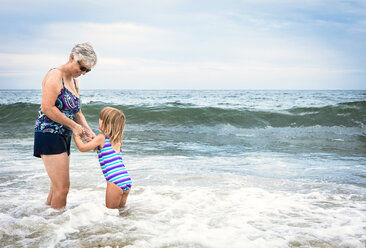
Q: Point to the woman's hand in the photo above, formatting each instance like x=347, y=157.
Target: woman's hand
x=90, y=134
x=78, y=130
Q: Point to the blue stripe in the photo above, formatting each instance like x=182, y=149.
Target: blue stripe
x=118, y=177
x=112, y=165
x=112, y=170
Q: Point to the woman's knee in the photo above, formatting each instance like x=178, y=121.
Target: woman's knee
x=62, y=189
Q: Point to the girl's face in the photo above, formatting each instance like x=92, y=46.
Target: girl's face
x=100, y=125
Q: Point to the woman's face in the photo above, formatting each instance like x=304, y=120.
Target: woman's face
x=79, y=68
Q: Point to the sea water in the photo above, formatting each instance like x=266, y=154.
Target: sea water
x=209, y=169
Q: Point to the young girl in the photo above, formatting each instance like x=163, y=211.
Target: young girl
x=108, y=144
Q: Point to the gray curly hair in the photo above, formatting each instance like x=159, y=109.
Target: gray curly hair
x=85, y=52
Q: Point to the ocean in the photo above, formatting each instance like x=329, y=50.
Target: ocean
x=210, y=168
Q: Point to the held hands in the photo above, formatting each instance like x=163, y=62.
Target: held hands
x=90, y=134
x=82, y=136
x=86, y=136
x=86, y=144
x=78, y=130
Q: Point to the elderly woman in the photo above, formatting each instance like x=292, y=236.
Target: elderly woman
x=58, y=117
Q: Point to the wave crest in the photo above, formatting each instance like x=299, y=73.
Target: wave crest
x=349, y=114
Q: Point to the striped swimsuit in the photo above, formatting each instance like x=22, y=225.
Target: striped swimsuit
x=112, y=166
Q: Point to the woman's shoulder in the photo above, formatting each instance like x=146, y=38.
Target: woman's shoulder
x=54, y=72
x=54, y=76
x=53, y=79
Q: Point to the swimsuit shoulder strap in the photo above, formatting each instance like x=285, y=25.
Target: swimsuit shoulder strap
x=55, y=68
x=76, y=88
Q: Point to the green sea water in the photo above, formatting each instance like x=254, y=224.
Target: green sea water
x=209, y=169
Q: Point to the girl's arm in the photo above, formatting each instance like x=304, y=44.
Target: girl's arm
x=98, y=141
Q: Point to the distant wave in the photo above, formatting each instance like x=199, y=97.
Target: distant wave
x=348, y=114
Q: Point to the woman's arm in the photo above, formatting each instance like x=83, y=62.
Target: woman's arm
x=80, y=118
x=50, y=91
x=91, y=145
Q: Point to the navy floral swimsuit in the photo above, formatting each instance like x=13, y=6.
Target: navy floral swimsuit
x=68, y=104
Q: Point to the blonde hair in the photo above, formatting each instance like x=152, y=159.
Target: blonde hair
x=113, y=123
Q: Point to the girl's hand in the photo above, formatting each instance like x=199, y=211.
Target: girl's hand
x=91, y=145
x=88, y=139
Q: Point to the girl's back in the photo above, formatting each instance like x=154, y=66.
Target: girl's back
x=112, y=166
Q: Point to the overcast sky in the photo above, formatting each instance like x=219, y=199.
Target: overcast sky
x=180, y=44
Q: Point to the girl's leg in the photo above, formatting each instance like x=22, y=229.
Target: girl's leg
x=113, y=195
x=124, y=198
x=57, y=167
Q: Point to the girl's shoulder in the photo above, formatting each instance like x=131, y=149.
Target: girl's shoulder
x=100, y=137
x=100, y=140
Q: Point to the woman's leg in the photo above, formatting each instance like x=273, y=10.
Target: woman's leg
x=49, y=198
x=57, y=167
x=113, y=195
x=124, y=198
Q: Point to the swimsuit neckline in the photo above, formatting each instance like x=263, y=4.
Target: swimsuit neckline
x=63, y=84
x=77, y=97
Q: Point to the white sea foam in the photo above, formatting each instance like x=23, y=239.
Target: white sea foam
x=162, y=216
x=252, y=199
x=210, y=210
